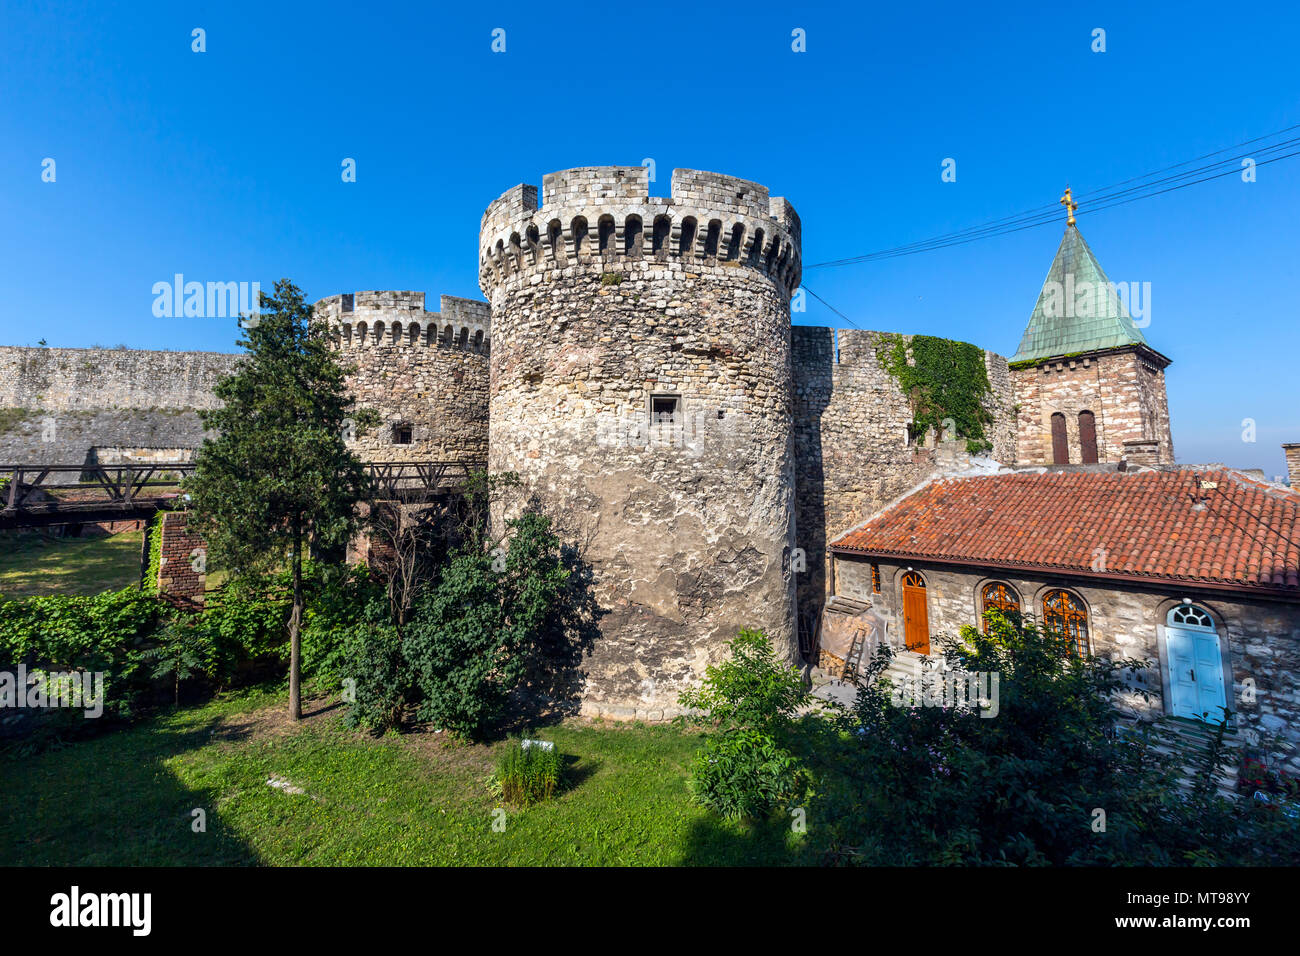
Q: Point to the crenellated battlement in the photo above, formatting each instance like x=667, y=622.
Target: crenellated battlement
x=596, y=216
x=372, y=319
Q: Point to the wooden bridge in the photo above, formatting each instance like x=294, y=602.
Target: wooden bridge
x=37, y=496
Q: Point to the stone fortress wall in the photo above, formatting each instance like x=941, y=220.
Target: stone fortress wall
x=425, y=373
x=636, y=365
x=853, y=450
x=81, y=406
x=609, y=307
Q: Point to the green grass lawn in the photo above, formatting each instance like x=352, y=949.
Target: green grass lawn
x=126, y=798
x=32, y=563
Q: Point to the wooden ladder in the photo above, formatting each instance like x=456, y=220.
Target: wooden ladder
x=854, y=659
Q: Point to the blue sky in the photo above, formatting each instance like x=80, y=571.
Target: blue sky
x=225, y=165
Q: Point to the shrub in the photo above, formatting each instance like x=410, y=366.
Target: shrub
x=374, y=672
x=471, y=638
x=746, y=773
x=98, y=633
x=945, y=786
x=746, y=767
x=182, y=653
x=341, y=604
x=527, y=775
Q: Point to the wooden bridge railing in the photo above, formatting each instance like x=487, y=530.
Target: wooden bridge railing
x=38, y=495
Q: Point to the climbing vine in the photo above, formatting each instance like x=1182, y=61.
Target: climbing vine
x=153, y=536
x=945, y=380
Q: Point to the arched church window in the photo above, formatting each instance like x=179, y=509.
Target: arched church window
x=1088, y=437
x=1065, y=616
x=1191, y=616
x=999, y=597
x=1060, y=444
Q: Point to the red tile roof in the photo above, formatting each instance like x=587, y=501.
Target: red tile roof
x=1246, y=534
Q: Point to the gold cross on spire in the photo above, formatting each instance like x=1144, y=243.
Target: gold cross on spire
x=1070, y=206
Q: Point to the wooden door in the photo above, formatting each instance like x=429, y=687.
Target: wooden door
x=916, y=619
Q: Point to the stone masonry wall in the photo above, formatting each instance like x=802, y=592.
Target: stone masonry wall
x=1125, y=622
x=1125, y=391
x=601, y=299
x=59, y=405
x=428, y=370
x=852, y=450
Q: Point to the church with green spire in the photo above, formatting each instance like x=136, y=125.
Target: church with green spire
x=1089, y=386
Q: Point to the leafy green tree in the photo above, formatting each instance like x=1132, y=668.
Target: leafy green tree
x=277, y=481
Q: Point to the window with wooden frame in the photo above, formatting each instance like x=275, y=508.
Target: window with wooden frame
x=998, y=596
x=1088, y=438
x=1065, y=616
x=1060, y=441
x=875, y=578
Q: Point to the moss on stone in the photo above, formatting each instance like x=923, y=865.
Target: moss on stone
x=11, y=418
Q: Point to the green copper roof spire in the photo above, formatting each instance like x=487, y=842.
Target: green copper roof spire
x=1077, y=309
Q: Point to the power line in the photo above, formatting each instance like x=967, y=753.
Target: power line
x=831, y=307
x=1104, y=198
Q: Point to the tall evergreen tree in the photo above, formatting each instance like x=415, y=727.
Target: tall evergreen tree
x=277, y=481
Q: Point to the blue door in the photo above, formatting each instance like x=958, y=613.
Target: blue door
x=1195, y=665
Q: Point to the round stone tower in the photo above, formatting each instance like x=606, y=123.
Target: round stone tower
x=425, y=373
x=641, y=388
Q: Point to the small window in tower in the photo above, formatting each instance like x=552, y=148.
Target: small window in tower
x=875, y=577
x=665, y=409
x=401, y=434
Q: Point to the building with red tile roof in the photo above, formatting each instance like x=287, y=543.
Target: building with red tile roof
x=1194, y=570
x=1209, y=526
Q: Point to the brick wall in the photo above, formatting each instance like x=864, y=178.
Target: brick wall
x=1124, y=389
x=1292, y=452
x=182, y=573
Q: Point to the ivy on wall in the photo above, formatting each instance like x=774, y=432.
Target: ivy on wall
x=153, y=541
x=944, y=380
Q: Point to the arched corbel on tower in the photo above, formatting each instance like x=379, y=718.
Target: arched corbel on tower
x=532, y=237
x=605, y=238
x=556, y=249
x=736, y=242
x=659, y=239
x=578, y=236
x=686, y=238
x=633, y=237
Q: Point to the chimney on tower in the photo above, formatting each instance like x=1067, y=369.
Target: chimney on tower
x=1292, y=452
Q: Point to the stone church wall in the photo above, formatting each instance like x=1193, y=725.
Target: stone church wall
x=1125, y=621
